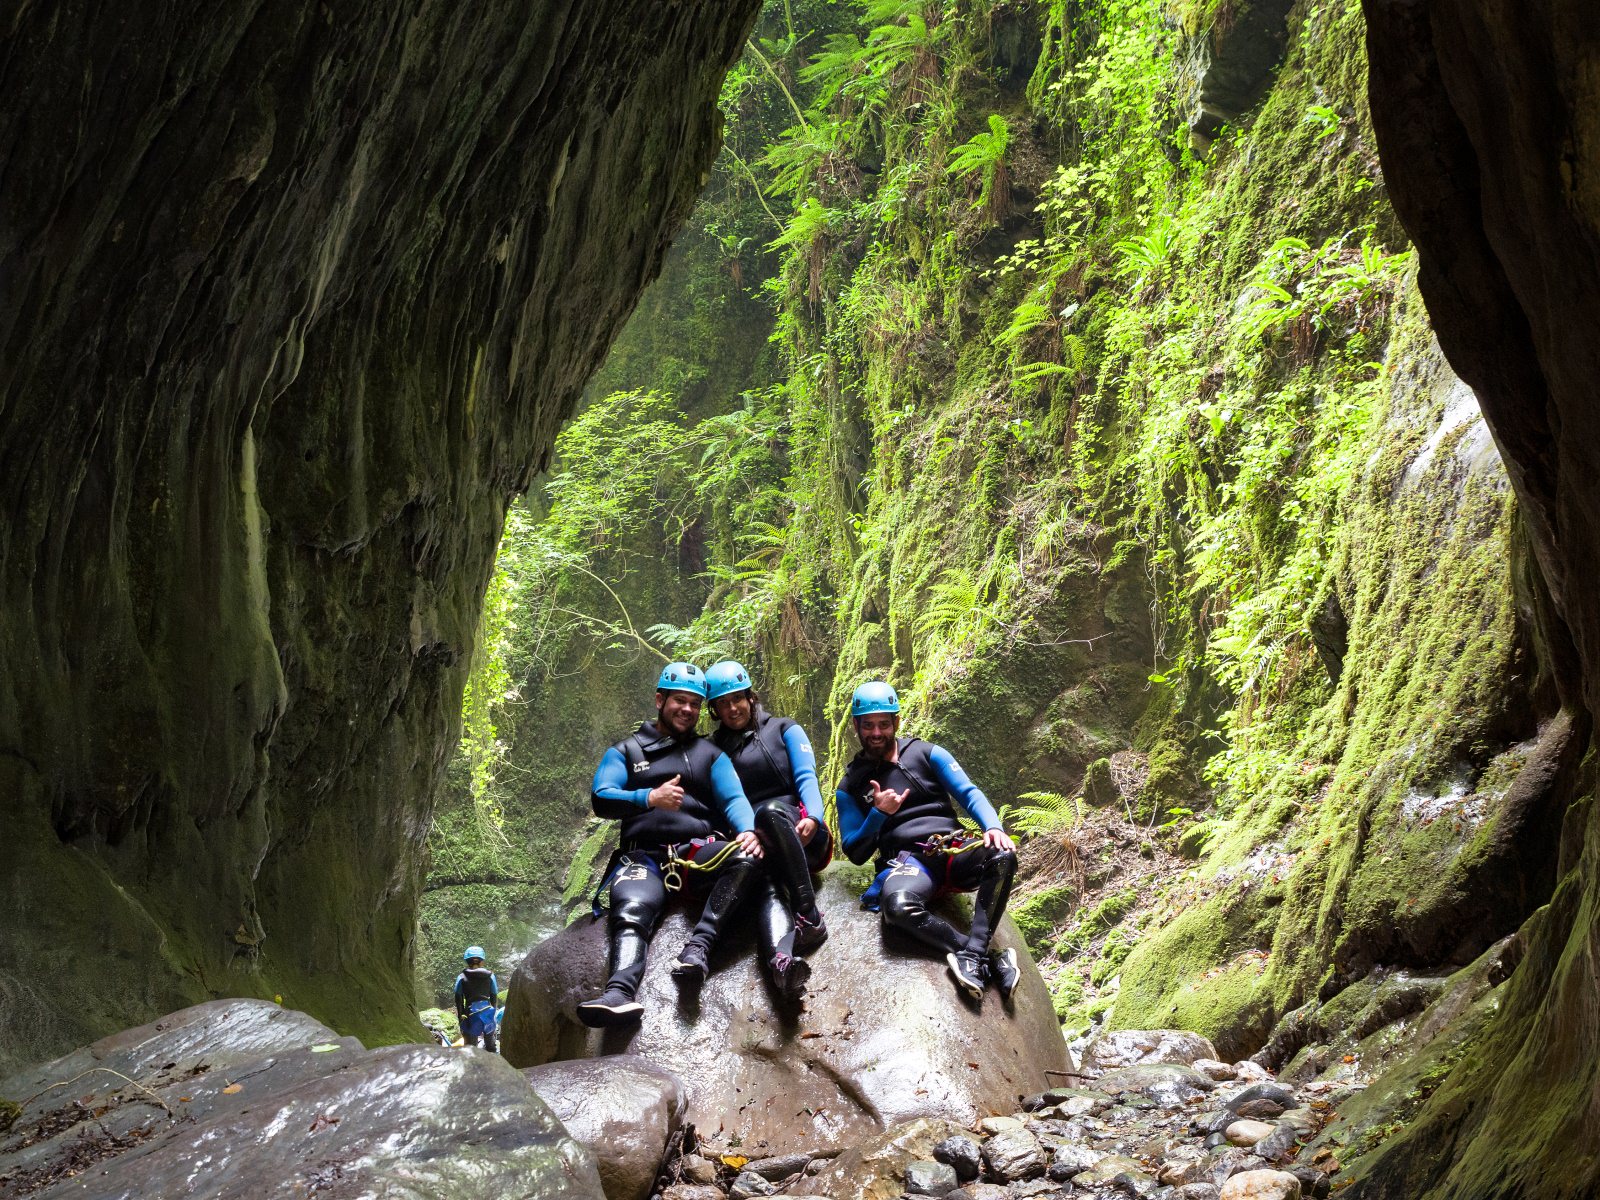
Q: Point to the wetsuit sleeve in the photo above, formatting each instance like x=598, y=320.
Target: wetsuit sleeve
x=611, y=784
x=494, y=982
x=725, y=786
x=859, y=823
x=804, y=765
x=461, y=1004
x=954, y=780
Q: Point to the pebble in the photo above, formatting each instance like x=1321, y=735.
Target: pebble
x=930, y=1178
x=993, y=1125
x=1012, y=1155
x=779, y=1168
x=748, y=1184
x=1262, y=1185
x=1247, y=1133
x=1071, y=1159
x=691, y=1191
x=1249, y=1072
x=1185, y=1165
x=961, y=1154
x=1220, y=1071
x=1264, y=1099
x=1197, y=1191
x=697, y=1170
x=979, y=1191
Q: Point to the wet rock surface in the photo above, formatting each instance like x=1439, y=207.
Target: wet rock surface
x=622, y=1109
x=1123, y=1144
x=883, y=1037
x=243, y=1098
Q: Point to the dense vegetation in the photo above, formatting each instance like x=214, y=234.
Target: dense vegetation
x=1007, y=362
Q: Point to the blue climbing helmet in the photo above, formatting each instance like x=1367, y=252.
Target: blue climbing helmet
x=726, y=678
x=874, y=697
x=472, y=952
x=682, y=677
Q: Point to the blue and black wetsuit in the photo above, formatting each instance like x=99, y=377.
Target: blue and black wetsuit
x=775, y=763
x=920, y=847
x=477, y=993
x=656, y=841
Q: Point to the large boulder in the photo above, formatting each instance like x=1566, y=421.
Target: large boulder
x=622, y=1108
x=883, y=1039
x=242, y=1098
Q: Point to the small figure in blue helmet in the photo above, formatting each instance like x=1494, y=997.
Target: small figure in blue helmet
x=896, y=800
x=775, y=763
x=477, y=993
x=670, y=789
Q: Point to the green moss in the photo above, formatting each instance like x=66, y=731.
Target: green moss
x=1038, y=915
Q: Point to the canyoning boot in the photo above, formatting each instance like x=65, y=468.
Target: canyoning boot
x=967, y=969
x=693, y=964
x=789, y=975
x=1005, y=972
x=809, y=932
x=612, y=1007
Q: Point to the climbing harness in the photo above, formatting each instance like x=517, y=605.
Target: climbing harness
x=672, y=874
x=954, y=842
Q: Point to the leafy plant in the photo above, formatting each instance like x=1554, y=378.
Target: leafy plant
x=983, y=156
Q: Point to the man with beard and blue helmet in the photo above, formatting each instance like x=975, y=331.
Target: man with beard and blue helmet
x=897, y=799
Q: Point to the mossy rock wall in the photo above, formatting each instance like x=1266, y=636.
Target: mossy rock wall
x=296, y=299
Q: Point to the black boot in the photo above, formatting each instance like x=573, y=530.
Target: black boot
x=631, y=925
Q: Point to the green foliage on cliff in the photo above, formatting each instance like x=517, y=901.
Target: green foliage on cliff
x=1091, y=435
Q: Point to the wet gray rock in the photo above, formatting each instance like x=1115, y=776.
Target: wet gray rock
x=875, y=1168
x=925, y=1178
x=1313, y=1182
x=692, y=1191
x=780, y=1167
x=979, y=1191
x=962, y=1154
x=296, y=1107
x=1279, y=1144
x=878, y=1062
x=1109, y=1170
x=622, y=1108
x=1130, y=1047
x=696, y=1169
x=1166, y=1084
x=1232, y=1160
x=1073, y=1158
x=1263, y=1099
x=1197, y=1191
x=1262, y=1185
x=1012, y=1155
x=747, y=1184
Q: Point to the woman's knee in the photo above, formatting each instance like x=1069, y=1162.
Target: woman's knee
x=902, y=908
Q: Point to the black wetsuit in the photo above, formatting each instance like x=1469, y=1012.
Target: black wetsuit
x=916, y=864
x=652, y=838
x=475, y=984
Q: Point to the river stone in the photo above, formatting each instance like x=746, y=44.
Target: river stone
x=1013, y=1154
x=297, y=1109
x=1219, y=1071
x=1267, y=1099
x=884, y=1037
x=1229, y=1161
x=1250, y=1072
x=925, y=1178
x=1197, y=1191
x=1165, y=1083
x=1247, y=1133
x=1108, y=1170
x=979, y=1191
x=1073, y=1158
x=1262, y=1185
x=994, y=1125
x=693, y=1167
x=875, y=1168
x=1130, y=1047
x=1185, y=1164
x=962, y=1154
x=692, y=1191
x=622, y=1108
x=748, y=1185
x=781, y=1167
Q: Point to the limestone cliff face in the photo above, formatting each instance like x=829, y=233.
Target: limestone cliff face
x=1488, y=119
x=294, y=297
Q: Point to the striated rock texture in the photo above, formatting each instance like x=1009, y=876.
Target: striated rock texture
x=1488, y=120
x=294, y=297
x=242, y=1098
